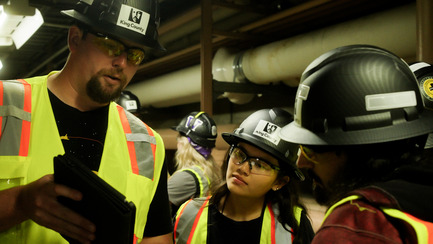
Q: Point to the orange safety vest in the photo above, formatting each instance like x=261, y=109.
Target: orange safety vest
x=17, y=131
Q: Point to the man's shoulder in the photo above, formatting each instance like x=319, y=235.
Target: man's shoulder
x=377, y=196
x=362, y=220
x=354, y=217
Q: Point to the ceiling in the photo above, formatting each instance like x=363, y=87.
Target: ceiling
x=239, y=23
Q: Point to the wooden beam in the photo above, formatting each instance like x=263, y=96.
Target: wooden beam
x=206, y=101
x=424, y=20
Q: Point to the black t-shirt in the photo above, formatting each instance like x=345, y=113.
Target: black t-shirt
x=223, y=230
x=82, y=133
x=83, y=136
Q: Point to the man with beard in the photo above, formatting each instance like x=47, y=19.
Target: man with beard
x=71, y=112
x=361, y=126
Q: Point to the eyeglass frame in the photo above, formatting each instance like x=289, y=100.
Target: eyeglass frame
x=108, y=37
x=303, y=150
x=248, y=158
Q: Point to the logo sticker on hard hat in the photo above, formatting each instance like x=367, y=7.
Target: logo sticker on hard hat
x=133, y=19
x=196, y=124
x=426, y=85
x=268, y=131
x=131, y=104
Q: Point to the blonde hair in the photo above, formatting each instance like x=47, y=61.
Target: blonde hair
x=186, y=156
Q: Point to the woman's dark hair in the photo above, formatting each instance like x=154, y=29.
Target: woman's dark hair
x=286, y=198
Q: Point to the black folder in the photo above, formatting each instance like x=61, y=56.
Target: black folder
x=106, y=207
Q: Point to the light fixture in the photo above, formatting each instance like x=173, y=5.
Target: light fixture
x=28, y=26
x=5, y=28
x=18, y=28
x=1, y=65
x=2, y=15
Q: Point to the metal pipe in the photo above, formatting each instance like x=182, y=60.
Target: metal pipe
x=284, y=60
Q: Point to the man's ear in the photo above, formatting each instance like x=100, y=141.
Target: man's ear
x=279, y=183
x=75, y=36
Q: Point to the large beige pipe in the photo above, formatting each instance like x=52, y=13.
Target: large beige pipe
x=285, y=60
x=176, y=88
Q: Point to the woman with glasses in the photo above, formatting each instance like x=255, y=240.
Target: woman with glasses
x=259, y=201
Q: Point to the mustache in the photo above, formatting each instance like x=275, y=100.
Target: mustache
x=114, y=74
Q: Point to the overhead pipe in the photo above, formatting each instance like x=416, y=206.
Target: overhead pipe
x=394, y=30
x=285, y=60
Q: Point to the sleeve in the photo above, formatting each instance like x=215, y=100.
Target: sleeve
x=159, y=220
x=357, y=222
x=181, y=187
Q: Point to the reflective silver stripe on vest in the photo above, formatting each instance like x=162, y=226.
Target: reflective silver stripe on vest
x=142, y=142
x=281, y=234
x=186, y=221
x=12, y=113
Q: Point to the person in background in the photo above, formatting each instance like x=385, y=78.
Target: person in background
x=362, y=127
x=71, y=112
x=259, y=201
x=424, y=74
x=196, y=170
x=130, y=102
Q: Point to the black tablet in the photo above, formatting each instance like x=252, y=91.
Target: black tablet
x=106, y=207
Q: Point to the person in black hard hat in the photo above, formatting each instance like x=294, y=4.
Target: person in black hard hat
x=424, y=73
x=259, y=202
x=129, y=101
x=362, y=126
x=72, y=112
x=196, y=173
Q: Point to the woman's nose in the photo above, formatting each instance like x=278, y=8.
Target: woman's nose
x=245, y=168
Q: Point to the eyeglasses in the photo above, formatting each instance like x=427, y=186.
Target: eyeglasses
x=258, y=166
x=114, y=48
x=308, y=153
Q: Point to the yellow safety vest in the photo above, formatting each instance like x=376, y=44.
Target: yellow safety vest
x=203, y=180
x=192, y=222
x=423, y=229
x=131, y=162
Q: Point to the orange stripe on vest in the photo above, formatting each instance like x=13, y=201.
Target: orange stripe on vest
x=131, y=147
x=25, y=131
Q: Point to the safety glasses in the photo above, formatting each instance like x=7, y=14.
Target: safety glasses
x=114, y=48
x=257, y=165
x=308, y=153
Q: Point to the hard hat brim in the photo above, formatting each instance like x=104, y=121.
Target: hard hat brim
x=294, y=133
x=109, y=28
x=232, y=139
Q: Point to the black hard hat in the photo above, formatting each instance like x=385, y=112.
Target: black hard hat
x=261, y=129
x=133, y=20
x=355, y=95
x=200, y=127
x=129, y=101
